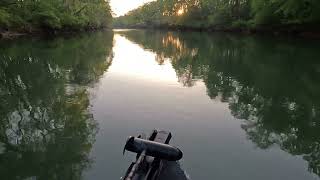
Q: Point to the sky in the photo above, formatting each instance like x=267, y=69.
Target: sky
x=121, y=7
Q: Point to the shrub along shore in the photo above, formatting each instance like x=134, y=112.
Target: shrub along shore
x=51, y=16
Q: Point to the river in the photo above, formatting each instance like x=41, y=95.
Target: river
x=239, y=107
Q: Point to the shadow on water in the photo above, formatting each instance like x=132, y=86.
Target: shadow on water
x=46, y=128
x=272, y=84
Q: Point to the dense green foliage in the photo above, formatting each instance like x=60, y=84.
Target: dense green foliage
x=223, y=13
x=31, y=15
x=272, y=85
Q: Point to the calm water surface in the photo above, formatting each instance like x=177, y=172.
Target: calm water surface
x=239, y=107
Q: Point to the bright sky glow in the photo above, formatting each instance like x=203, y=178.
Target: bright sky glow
x=121, y=7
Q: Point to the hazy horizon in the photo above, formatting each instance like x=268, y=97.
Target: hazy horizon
x=121, y=7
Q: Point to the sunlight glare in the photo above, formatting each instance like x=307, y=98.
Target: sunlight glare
x=180, y=11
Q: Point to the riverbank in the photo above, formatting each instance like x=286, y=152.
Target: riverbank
x=10, y=34
x=305, y=31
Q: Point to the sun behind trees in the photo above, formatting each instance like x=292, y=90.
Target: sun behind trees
x=30, y=15
x=224, y=14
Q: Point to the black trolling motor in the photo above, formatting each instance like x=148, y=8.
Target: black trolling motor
x=156, y=159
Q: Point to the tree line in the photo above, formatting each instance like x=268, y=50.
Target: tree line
x=223, y=14
x=33, y=15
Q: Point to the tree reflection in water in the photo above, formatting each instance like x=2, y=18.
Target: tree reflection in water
x=46, y=128
x=271, y=83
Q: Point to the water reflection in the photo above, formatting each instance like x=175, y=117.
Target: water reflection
x=132, y=61
x=273, y=85
x=46, y=128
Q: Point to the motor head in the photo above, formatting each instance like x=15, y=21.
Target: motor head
x=152, y=148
